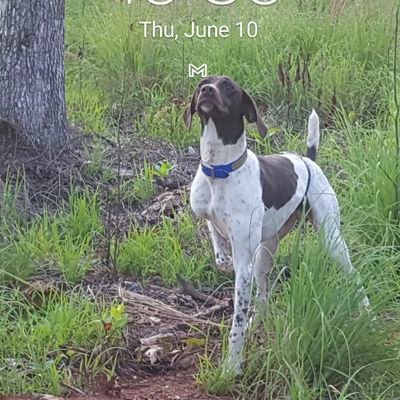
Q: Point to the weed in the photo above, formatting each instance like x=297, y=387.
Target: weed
x=143, y=185
x=140, y=188
x=95, y=158
x=163, y=170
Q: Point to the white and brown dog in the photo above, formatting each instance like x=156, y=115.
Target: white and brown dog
x=251, y=202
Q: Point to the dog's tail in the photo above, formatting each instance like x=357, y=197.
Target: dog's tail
x=313, y=135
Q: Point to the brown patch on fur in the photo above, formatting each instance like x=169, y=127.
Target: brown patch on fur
x=278, y=180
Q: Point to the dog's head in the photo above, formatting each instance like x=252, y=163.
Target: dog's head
x=226, y=103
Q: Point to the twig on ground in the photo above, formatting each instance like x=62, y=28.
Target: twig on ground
x=209, y=311
x=74, y=389
x=159, y=338
x=189, y=289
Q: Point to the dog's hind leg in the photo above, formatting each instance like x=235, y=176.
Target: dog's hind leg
x=340, y=252
x=263, y=262
x=325, y=215
x=221, y=249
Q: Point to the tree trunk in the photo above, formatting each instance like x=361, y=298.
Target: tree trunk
x=32, y=92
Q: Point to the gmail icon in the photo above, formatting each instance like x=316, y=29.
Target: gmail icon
x=202, y=70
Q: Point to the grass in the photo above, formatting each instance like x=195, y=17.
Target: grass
x=63, y=241
x=60, y=340
x=313, y=343
x=163, y=251
x=300, y=59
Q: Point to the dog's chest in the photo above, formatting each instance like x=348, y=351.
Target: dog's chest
x=232, y=198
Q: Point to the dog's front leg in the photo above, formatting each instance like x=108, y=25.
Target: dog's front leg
x=240, y=315
x=243, y=249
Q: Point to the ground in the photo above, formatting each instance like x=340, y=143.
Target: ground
x=165, y=316
x=170, y=386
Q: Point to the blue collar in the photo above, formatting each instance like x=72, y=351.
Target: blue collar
x=223, y=171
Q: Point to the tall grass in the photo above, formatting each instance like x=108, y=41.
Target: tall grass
x=300, y=58
x=372, y=192
x=314, y=341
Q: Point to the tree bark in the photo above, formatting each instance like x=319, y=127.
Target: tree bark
x=32, y=77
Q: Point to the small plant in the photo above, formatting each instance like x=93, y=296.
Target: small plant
x=143, y=185
x=74, y=260
x=95, y=156
x=87, y=102
x=163, y=170
x=215, y=378
x=12, y=208
x=82, y=219
x=117, y=318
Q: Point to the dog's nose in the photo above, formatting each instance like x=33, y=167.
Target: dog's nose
x=207, y=89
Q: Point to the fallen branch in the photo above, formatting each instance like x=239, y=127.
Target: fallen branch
x=73, y=389
x=169, y=337
x=143, y=304
x=156, y=339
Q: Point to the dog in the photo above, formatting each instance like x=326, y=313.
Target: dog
x=251, y=202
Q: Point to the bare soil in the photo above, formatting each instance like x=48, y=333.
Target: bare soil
x=177, y=385
x=172, y=386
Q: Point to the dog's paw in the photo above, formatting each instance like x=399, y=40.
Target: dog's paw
x=224, y=263
x=232, y=368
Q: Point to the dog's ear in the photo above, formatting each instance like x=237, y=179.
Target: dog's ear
x=190, y=110
x=252, y=115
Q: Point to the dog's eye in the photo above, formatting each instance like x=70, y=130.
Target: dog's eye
x=228, y=86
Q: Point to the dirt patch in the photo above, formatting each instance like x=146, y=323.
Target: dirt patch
x=46, y=182
x=171, y=386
